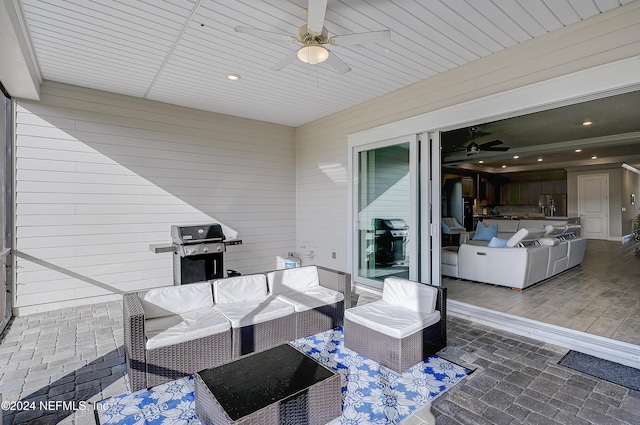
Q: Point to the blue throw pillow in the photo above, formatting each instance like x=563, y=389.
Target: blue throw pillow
x=485, y=233
x=497, y=242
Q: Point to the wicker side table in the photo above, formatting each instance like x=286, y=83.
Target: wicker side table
x=277, y=386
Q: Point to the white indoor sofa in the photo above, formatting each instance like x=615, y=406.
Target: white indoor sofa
x=532, y=254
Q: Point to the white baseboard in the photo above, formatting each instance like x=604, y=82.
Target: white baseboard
x=605, y=348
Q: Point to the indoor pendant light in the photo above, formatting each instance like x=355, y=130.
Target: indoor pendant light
x=313, y=54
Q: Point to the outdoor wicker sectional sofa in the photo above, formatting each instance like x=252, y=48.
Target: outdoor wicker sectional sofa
x=175, y=331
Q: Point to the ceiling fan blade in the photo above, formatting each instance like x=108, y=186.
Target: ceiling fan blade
x=285, y=61
x=491, y=144
x=315, y=15
x=361, y=38
x=337, y=64
x=497, y=149
x=265, y=34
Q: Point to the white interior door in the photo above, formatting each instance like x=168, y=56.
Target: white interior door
x=593, y=205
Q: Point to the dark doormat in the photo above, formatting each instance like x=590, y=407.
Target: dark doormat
x=617, y=373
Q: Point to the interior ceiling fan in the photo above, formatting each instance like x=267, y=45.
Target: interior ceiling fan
x=474, y=148
x=313, y=37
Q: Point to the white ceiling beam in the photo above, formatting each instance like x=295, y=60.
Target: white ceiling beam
x=19, y=70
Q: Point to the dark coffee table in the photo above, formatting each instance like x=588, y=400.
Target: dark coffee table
x=278, y=386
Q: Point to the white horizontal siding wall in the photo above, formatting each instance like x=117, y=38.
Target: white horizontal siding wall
x=321, y=146
x=100, y=177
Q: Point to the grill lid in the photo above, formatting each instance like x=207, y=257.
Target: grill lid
x=197, y=233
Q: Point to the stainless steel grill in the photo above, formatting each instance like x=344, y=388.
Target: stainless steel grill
x=198, y=253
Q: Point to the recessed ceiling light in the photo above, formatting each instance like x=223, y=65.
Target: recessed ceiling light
x=587, y=123
x=233, y=77
x=578, y=150
x=516, y=156
x=594, y=157
x=539, y=159
x=481, y=162
x=504, y=166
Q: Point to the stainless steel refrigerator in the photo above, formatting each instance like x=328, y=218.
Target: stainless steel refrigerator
x=459, y=206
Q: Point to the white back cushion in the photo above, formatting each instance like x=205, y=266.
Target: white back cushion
x=409, y=294
x=504, y=226
x=165, y=301
x=296, y=279
x=239, y=288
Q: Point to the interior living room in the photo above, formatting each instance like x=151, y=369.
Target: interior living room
x=531, y=171
x=122, y=121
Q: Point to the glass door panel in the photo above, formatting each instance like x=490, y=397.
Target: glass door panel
x=385, y=213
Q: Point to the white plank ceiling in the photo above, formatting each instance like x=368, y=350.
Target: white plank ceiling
x=180, y=51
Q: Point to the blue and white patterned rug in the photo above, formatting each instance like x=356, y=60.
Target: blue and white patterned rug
x=371, y=394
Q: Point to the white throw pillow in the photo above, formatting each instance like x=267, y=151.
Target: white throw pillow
x=168, y=300
x=239, y=288
x=409, y=294
x=295, y=279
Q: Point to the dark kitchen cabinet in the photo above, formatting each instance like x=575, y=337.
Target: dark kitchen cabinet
x=468, y=187
x=510, y=194
x=554, y=187
x=520, y=193
x=535, y=190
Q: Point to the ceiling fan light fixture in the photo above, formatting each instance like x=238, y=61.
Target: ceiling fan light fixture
x=313, y=54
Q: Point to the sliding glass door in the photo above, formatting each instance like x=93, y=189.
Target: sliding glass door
x=6, y=209
x=386, y=228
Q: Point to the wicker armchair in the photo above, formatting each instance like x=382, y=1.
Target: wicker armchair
x=402, y=329
x=172, y=332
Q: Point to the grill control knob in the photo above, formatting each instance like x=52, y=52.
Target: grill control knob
x=205, y=249
x=191, y=251
x=218, y=248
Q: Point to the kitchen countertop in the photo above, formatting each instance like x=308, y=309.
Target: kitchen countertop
x=517, y=217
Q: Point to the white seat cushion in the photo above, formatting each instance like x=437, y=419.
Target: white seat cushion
x=171, y=300
x=254, y=311
x=311, y=298
x=449, y=255
x=295, y=279
x=409, y=294
x=239, y=288
x=177, y=328
x=392, y=320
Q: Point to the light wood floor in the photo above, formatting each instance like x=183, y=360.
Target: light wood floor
x=601, y=296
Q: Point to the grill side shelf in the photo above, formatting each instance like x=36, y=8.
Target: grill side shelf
x=162, y=247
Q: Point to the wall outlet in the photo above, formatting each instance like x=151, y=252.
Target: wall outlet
x=334, y=254
x=313, y=252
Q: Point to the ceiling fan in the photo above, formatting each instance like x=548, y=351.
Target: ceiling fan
x=475, y=148
x=313, y=37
